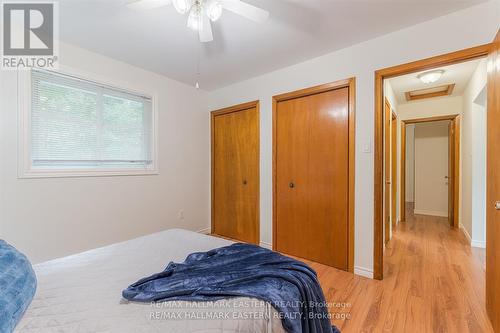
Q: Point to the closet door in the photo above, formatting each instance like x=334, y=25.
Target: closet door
x=312, y=177
x=235, y=173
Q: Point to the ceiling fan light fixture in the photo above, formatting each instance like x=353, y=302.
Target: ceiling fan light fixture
x=194, y=19
x=431, y=76
x=214, y=10
x=201, y=13
x=182, y=6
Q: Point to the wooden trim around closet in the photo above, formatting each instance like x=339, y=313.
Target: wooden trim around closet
x=351, y=85
x=380, y=75
x=235, y=108
x=213, y=114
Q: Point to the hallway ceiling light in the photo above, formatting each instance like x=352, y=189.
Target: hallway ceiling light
x=431, y=76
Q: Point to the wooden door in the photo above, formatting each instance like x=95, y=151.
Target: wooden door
x=235, y=173
x=394, y=165
x=312, y=177
x=402, y=178
x=387, y=171
x=451, y=172
x=493, y=188
x=456, y=172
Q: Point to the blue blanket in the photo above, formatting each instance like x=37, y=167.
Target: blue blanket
x=243, y=270
x=17, y=286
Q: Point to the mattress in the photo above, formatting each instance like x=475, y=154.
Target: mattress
x=82, y=292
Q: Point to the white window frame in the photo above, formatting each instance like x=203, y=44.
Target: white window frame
x=25, y=162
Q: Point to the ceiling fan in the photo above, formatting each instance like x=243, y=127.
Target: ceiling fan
x=201, y=12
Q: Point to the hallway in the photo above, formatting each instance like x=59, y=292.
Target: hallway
x=434, y=282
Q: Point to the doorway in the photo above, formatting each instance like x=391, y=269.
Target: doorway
x=447, y=161
x=492, y=52
x=379, y=180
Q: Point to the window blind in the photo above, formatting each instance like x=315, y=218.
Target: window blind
x=77, y=123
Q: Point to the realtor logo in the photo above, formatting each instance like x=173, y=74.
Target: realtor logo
x=29, y=35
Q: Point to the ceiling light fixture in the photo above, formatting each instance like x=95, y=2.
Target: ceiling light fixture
x=194, y=18
x=202, y=12
x=182, y=6
x=431, y=76
x=214, y=10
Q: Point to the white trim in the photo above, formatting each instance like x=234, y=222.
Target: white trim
x=25, y=167
x=478, y=244
x=466, y=233
x=205, y=231
x=266, y=245
x=430, y=212
x=365, y=272
x=473, y=243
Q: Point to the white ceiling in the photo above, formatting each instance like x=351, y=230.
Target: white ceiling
x=459, y=74
x=158, y=40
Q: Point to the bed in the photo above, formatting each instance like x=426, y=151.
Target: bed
x=82, y=292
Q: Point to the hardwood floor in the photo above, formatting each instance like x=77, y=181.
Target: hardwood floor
x=434, y=282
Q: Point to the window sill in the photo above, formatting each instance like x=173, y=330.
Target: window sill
x=46, y=173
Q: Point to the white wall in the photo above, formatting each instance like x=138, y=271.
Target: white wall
x=49, y=217
x=390, y=95
x=431, y=167
x=474, y=157
x=449, y=33
x=410, y=163
x=431, y=107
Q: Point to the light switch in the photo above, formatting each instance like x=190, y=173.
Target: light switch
x=367, y=147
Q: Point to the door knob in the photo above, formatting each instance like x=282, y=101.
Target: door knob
x=291, y=185
x=497, y=205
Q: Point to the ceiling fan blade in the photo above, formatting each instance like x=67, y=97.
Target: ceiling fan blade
x=244, y=9
x=206, y=30
x=147, y=4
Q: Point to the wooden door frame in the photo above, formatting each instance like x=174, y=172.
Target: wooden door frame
x=387, y=168
x=380, y=75
x=351, y=85
x=456, y=173
x=402, y=172
x=394, y=172
x=219, y=112
x=493, y=186
x=390, y=181
x=456, y=163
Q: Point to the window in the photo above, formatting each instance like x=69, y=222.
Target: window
x=79, y=127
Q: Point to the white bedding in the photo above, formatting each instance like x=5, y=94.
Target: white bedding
x=82, y=293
